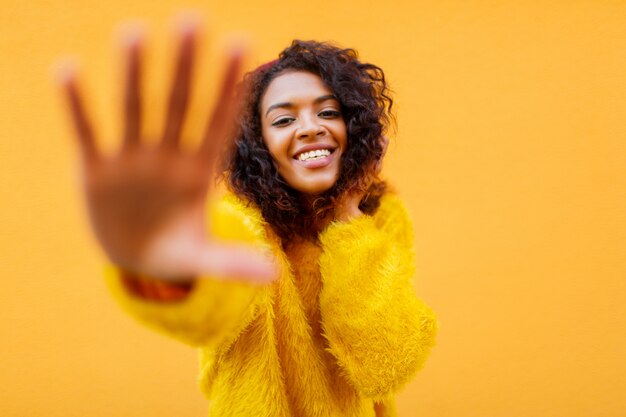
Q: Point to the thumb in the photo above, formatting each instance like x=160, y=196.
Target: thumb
x=237, y=262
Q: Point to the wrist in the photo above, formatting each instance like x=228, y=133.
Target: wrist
x=154, y=289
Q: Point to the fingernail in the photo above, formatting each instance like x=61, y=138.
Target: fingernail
x=239, y=44
x=64, y=70
x=132, y=32
x=188, y=23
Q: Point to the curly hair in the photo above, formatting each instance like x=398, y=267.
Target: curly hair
x=366, y=104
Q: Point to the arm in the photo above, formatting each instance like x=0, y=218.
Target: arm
x=380, y=333
x=146, y=203
x=205, y=311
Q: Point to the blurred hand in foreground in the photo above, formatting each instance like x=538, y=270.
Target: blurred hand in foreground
x=146, y=203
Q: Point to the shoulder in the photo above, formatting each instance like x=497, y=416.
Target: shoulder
x=391, y=209
x=390, y=220
x=393, y=218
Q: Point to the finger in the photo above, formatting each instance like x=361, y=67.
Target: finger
x=385, y=143
x=222, y=121
x=84, y=132
x=132, y=92
x=179, y=95
x=379, y=163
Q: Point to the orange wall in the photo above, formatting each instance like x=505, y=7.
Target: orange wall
x=511, y=154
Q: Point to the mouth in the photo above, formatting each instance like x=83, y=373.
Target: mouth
x=316, y=158
x=313, y=155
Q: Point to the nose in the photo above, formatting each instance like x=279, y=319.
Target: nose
x=309, y=128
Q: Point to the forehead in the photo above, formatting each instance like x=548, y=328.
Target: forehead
x=294, y=87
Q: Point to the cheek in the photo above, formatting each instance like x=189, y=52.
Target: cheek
x=278, y=149
x=277, y=143
x=268, y=141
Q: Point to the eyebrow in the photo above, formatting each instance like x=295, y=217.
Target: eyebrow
x=288, y=105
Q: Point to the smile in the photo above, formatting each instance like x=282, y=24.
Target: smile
x=312, y=155
x=315, y=159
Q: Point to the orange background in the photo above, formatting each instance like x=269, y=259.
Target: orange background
x=510, y=152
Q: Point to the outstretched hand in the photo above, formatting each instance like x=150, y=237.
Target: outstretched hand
x=146, y=203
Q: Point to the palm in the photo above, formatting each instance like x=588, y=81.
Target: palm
x=146, y=202
x=140, y=198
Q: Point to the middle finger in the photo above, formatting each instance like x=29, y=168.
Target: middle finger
x=132, y=94
x=179, y=95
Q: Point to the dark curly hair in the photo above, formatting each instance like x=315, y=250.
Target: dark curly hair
x=366, y=104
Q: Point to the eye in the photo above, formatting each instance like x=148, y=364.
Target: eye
x=329, y=114
x=283, y=121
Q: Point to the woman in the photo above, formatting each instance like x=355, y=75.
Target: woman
x=315, y=315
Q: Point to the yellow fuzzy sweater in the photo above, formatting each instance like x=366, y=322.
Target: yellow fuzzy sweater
x=337, y=334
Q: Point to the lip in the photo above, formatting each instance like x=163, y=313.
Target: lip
x=318, y=163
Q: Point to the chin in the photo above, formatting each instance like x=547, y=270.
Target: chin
x=315, y=188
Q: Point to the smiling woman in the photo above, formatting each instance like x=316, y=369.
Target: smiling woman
x=315, y=97
x=311, y=312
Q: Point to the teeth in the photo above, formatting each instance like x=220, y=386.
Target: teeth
x=317, y=154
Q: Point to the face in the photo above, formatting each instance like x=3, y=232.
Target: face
x=304, y=130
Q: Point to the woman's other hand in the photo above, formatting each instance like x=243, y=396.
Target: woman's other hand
x=146, y=203
x=347, y=205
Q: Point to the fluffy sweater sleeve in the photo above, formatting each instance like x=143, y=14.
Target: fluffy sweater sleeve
x=214, y=310
x=376, y=327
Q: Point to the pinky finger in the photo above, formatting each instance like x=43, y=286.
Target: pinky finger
x=84, y=131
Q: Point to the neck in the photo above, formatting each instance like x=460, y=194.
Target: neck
x=318, y=217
